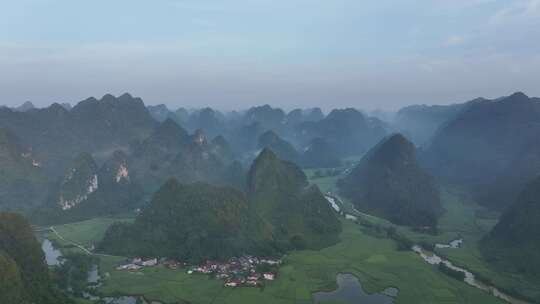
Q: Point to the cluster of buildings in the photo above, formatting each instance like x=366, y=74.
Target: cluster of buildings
x=137, y=263
x=249, y=271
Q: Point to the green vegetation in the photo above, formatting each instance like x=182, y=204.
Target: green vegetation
x=463, y=219
x=298, y=214
x=513, y=245
x=86, y=192
x=79, y=180
x=389, y=182
x=23, y=273
x=456, y=274
x=374, y=260
x=87, y=233
x=283, y=149
x=192, y=222
x=20, y=180
x=11, y=285
x=73, y=272
x=319, y=154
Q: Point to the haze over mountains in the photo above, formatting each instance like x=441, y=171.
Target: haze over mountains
x=202, y=177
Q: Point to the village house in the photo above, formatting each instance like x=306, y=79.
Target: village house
x=150, y=262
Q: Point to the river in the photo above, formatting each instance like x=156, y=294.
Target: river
x=433, y=259
x=53, y=258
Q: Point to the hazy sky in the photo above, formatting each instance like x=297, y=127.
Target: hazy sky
x=290, y=53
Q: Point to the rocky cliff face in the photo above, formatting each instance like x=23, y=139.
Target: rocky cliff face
x=79, y=182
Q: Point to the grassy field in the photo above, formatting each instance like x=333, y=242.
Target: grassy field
x=374, y=261
x=463, y=219
x=86, y=233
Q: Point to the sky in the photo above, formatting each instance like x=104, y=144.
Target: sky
x=233, y=54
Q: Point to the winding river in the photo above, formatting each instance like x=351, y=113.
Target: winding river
x=433, y=259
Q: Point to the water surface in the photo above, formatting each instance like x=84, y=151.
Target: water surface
x=52, y=255
x=350, y=291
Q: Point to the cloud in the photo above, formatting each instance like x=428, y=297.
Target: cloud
x=519, y=11
x=454, y=40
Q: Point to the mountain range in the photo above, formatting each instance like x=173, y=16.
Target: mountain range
x=200, y=221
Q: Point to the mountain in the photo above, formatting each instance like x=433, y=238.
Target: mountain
x=56, y=135
x=507, y=186
x=86, y=191
x=79, y=181
x=112, y=119
x=245, y=137
x=479, y=144
x=294, y=117
x=24, y=277
x=209, y=120
x=221, y=147
x=513, y=244
x=420, y=122
x=21, y=177
x=171, y=152
x=182, y=115
x=347, y=130
x=314, y=114
x=283, y=149
x=67, y=106
x=270, y=118
x=192, y=222
x=26, y=106
x=298, y=213
x=160, y=112
x=389, y=182
x=320, y=154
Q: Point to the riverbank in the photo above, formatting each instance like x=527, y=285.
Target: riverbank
x=374, y=261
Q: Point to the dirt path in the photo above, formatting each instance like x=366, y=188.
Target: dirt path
x=76, y=244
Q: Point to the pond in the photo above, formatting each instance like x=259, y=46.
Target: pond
x=52, y=255
x=350, y=291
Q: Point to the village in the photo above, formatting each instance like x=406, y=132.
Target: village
x=244, y=271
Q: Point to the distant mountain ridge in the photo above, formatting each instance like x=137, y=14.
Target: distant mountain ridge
x=56, y=135
x=479, y=144
x=420, y=122
x=348, y=131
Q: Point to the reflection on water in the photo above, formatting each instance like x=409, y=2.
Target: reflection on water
x=93, y=274
x=350, y=291
x=52, y=255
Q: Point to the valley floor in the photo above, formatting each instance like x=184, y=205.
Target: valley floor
x=374, y=260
